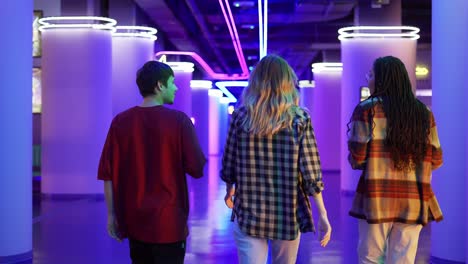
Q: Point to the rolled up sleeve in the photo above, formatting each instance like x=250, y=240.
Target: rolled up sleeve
x=309, y=161
x=228, y=170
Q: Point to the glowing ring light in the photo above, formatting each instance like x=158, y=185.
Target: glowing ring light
x=327, y=67
x=306, y=84
x=378, y=32
x=201, y=84
x=215, y=93
x=135, y=31
x=93, y=22
x=181, y=66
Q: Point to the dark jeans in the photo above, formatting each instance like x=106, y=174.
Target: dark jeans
x=155, y=253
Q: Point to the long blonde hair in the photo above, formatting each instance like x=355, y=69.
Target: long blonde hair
x=271, y=98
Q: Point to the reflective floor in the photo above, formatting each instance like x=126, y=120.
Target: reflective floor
x=73, y=230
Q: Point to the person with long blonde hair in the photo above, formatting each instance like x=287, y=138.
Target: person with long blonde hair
x=271, y=166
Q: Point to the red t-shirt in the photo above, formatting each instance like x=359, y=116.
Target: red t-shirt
x=147, y=153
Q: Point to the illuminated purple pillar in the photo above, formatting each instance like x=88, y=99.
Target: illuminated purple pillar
x=306, y=98
x=357, y=55
x=200, y=110
x=449, y=75
x=16, y=132
x=182, y=77
x=131, y=48
x=214, y=121
x=326, y=109
x=76, y=107
x=223, y=122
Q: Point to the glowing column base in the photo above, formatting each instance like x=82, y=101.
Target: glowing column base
x=358, y=55
x=129, y=53
x=215, y=121
x=326, y=119
x=183, y=76
x=200, y=108
x=76, y=109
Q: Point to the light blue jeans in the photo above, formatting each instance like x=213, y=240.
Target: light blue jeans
x=252, y=250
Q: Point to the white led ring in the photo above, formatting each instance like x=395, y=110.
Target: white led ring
x=327, y=67
x=135, y=31
x=378, y=32
x=92, y=22
x=181, y=66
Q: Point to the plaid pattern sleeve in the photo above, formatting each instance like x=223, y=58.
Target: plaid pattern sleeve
x=435, y=145
x=228, y=171
x=309, y=161
x=358, y=138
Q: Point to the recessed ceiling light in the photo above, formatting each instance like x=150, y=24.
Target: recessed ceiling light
x=244, y=3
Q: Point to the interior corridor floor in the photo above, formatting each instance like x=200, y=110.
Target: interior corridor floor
x=73, y=230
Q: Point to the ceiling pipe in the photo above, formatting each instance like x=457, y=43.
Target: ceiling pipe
x=213, y=75
x=206, y=33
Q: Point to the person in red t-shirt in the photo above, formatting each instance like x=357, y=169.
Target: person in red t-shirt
x=148, y=150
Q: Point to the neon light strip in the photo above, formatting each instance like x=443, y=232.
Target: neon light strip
x=242, y=60
x=201, y=84
x=67, y=22
x=376, y=32
x=265, y=26
x=234, y=37
x=136, y=31
x=327, y=67
x=181, y=66
x=260, y=30
x=224, y=100
x=222, y=86
x=215, y=92
x=424, y=92
x=205, y=66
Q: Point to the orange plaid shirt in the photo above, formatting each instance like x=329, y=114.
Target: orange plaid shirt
x=385, y=194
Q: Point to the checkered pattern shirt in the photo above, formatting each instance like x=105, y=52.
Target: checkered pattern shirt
x=274, y=175
x=385, y=194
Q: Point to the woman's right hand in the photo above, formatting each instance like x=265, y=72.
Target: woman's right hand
x=229, y=197
x=324, y=230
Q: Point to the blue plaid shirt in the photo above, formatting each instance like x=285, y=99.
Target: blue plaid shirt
x=274, y=175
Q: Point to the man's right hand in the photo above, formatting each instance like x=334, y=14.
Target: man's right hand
x=112, y=228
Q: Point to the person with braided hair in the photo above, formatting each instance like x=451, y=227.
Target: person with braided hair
x=392, y=138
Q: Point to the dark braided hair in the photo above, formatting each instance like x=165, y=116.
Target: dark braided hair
x=408, y=119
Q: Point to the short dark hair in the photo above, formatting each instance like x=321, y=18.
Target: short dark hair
x=150, y=74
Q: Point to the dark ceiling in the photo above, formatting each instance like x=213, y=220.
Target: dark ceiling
x=301, y=31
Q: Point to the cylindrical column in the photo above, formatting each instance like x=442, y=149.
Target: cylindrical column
x=449, y=74
x=132, y=46
x=200, y=106
x=16, y=132
x=214, y=121
x=326, y=109
x=306, y=98
x=76, y=105
x=223, y=122
x=359, y=49
x=182, y=77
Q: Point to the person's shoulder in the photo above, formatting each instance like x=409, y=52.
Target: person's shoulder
x=301, y=114
x=369, y=103
x=239, y=113
x=122, y=116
